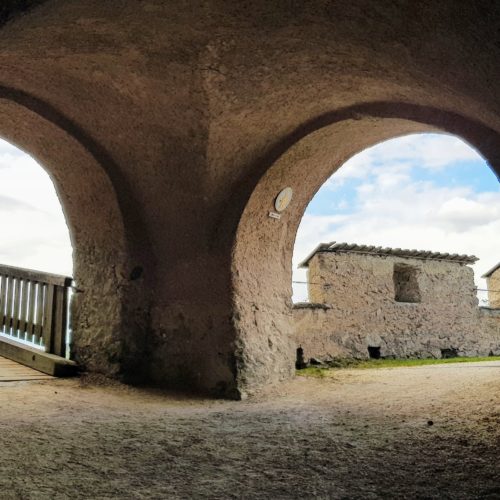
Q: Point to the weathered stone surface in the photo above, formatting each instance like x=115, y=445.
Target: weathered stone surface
x=363, y=313
x=11, y=8
x=493, y=285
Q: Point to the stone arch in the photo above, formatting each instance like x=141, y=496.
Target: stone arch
x=108, y=296
x=263, y=246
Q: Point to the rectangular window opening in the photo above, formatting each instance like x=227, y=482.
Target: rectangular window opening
x=406, y=283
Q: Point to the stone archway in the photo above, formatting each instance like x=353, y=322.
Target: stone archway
x=108, y=296
x=194, y=118
x=263, y=246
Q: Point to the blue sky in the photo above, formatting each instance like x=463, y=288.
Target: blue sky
x=424, y=191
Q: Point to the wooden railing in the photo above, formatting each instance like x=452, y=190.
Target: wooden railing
x=34, y=308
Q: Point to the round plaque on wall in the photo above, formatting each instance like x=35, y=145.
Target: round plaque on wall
x=283, y=199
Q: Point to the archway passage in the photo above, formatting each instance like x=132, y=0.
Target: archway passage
x=103, y=331
x=264, y=244
x=427, y=191
x=385, y=255
x=35, y=266
x=36, y=234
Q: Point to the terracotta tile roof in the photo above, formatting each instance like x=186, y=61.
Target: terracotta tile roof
x=387, y=251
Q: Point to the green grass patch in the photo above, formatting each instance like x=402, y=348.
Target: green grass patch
x=325, y=371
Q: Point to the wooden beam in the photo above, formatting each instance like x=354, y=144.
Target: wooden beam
x=37, y=359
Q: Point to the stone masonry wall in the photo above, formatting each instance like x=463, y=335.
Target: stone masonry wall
x=353, y=307
x=494, y=289
x=489, y=329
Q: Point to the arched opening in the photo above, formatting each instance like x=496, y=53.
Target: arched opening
x=263, y=247
x=36, y=265
x=377, y=297
x=37, y=235
x=108, y=306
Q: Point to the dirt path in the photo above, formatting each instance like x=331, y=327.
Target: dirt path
x=364, y=434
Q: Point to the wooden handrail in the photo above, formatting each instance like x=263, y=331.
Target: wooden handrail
x=34, y=307
x=32, y=275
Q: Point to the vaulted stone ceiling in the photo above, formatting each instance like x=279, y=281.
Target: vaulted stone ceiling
x=169, y=127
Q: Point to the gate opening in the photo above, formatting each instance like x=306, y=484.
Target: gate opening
x=35, y=257
x=389, y=255
x=374, y=352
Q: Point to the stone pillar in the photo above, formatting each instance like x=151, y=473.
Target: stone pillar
x=319, y=278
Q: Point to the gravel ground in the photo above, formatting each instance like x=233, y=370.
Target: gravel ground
x=421, y=432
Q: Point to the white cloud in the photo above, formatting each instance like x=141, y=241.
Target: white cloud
x=355, y=168
x=428, y=151
x=464, y=214
x=32, y=221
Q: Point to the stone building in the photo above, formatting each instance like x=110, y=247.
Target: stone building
x=368, y=301
x=493, y=285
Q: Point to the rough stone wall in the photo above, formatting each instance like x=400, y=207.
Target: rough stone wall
x=357, y=309
x=11, y=8
x=489, y=329
x=493, y=285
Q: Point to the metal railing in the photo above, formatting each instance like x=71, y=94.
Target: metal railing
x=483, y=297
x=34, y=308
x=482, y=293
